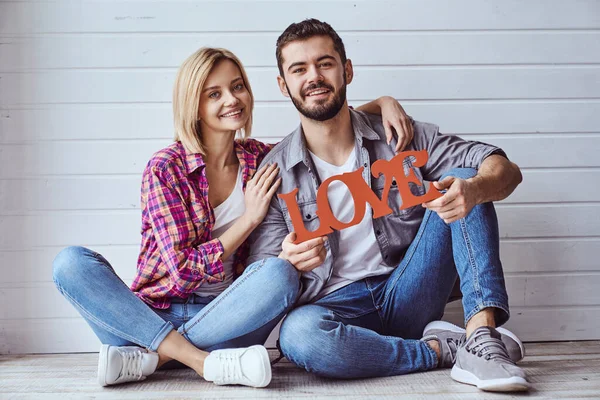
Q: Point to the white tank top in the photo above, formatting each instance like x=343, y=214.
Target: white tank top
x=226, y=214
x=359, y=255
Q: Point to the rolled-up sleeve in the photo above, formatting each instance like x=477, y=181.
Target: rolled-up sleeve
x=446, y=152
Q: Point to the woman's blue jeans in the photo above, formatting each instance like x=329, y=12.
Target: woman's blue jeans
x=371, y=327
x=243, y=315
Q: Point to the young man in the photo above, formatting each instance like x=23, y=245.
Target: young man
x=371, y=293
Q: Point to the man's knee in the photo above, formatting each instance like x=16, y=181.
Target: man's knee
x=301, y=332
x=67, y=265
x=462, y=173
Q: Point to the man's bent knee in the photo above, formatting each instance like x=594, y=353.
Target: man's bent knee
x=462, y=173
x=307, y=338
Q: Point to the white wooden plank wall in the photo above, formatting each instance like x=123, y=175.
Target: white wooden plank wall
x=85, y=92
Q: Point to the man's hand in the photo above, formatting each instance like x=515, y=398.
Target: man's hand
x=304, y=256
x=457, y=202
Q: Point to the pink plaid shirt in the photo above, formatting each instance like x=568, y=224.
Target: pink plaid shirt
x=178, y=251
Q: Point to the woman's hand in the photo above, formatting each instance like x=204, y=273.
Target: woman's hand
x=259, y=191
x=394, y=117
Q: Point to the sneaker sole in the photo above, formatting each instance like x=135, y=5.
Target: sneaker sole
x=511, y=335
x=103, y=364
x=514, y=384
x=266, y=367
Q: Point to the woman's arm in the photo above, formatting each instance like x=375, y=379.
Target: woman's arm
x=259, y=191
x=175, y=233
x=393, y=117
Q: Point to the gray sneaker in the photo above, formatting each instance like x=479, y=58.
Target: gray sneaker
x=516, y=350
x=483, y=361
x=449, y=337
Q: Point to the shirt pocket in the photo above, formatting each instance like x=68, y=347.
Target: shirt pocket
x=310, y=219
x=394, y=199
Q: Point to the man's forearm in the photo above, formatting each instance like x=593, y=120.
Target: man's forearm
x=372, y=107
x=496, y=179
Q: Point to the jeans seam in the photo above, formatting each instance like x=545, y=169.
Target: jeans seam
x=378, y=308
x=166, y=329
x=354, y=316
x=408, y=257
x=472, y=263
x=486, y=304
x=346, y=316
x=210, y=306
x=102, y=324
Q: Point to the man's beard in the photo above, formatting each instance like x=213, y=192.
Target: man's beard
x=322, y=111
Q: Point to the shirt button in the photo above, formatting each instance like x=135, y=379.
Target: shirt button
x=365, y=165
x=394, y=182
x=378, y=232
x=308, y=216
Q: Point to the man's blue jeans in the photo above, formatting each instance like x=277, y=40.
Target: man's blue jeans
x=243, y=315
x=371, y=327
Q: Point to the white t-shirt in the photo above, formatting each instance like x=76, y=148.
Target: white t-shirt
x=226, y=214
x=359, y=255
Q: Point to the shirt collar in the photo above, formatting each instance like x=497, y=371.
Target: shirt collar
x=246, y=158
x=298, y=152
x=194, y=161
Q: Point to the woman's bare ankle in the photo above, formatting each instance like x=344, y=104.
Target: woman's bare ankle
x=162, y=360
x=198, y=365
x=176, y=347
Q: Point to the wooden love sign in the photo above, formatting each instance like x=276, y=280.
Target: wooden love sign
x=362, y=194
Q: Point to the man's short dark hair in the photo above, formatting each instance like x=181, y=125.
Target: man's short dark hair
x=306, y=30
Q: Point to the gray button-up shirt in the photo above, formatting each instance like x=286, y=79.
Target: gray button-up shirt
x=394, y=232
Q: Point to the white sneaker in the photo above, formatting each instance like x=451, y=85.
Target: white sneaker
x=247, y=366
x=124, y=364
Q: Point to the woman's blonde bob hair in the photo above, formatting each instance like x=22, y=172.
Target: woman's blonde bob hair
x=187, y=91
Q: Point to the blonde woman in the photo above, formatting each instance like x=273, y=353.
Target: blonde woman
x=192, y=300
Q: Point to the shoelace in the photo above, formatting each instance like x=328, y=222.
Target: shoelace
x=454, y=345
x=449, y=351
x=484, y=345
x=132, y=365
x=231, y=368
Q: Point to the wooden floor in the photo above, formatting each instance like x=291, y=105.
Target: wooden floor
x=556, y=370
